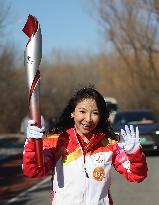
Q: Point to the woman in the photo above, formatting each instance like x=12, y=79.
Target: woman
x=81, y=154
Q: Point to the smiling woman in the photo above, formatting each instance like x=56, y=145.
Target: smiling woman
x=86, y=117
x=82, y=150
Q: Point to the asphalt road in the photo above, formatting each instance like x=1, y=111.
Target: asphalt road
x=123, y=192
x=144, y=193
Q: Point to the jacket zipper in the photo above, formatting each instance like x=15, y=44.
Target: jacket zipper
x=84, y=163
x=84, y=155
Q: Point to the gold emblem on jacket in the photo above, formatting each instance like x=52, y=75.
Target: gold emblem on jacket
x=99, y=173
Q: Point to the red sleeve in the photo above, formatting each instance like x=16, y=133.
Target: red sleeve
x=132, y=166
x=30, y=166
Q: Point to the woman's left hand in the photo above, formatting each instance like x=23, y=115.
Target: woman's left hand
x=131, y=139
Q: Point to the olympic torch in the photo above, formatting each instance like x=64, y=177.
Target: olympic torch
x=32, y=59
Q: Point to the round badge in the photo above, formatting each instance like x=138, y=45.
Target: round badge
x=99, y=173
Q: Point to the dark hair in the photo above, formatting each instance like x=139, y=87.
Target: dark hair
x=65, y=121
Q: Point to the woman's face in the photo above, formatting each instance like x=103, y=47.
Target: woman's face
x=86, y=117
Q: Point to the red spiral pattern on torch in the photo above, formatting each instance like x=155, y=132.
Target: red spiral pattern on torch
x=34, y=83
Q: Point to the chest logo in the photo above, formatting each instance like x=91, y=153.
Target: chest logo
x=99, y=173
x=100, y=159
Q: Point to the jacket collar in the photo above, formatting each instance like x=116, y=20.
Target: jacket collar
x=95, y=139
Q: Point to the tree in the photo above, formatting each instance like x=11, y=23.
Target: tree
x=133, y=29
x=12, y=103
x=4, y=8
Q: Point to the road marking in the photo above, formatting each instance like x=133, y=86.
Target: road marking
x=27, y=191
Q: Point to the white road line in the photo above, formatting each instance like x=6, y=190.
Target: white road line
x=27, y=191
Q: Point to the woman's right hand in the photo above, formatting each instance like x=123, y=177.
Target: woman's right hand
x=33, y=131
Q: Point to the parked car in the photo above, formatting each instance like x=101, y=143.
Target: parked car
x=147, y=124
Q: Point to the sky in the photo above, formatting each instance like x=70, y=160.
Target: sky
x=65, y=25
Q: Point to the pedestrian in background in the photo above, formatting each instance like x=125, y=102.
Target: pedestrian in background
x=82, y=150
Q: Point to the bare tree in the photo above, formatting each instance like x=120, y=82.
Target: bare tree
x=10, y=86
x=133, y=29
x=132, y=26
x=5, y=9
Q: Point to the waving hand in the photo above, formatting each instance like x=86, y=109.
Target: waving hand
x=131, y=139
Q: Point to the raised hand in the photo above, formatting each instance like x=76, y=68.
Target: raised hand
x=33, y=131
x=131, y=139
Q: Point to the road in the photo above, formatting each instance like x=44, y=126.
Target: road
x=123, y=193
x=144, y=193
